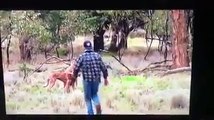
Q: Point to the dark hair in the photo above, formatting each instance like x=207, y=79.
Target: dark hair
x=87, y=44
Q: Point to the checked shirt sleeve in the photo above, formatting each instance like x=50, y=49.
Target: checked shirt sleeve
x=103, y=68
x=77, y=66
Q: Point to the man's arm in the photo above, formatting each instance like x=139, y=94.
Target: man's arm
x=77, y=67
x=103, y=68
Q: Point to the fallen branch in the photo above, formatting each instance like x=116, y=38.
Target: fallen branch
x=148, y=49
x=157, y=64
x=157, y=67
x=61, y=68
x=153, y=67
x=41, y=70
x=64, y=61
x=177, y=70
x=3, y=39
x=46, y=62
x=117, y=60
x=12, y=70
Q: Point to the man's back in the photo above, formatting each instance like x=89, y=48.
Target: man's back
x=92, y=65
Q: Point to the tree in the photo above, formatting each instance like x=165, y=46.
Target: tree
x=98, y=21
x=89, y=21
x=123, y=22
x=180, y=39
x=190, y=16
x=6, y=31
x=26, y=27
x=67, y=33
x=52, y=22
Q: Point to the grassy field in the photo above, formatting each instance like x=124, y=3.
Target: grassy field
x=142, y=94
x=125, y=94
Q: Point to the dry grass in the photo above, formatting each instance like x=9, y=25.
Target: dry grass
x=141, y=96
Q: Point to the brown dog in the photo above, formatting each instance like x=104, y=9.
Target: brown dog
x=65, y=76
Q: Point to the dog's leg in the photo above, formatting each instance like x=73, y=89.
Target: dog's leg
x=64, y=83
x=68, y=82
x=65, y=86
x=48, y=83
x=73, y=83
x=52, y=82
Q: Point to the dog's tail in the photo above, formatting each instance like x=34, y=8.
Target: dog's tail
x=47, y=83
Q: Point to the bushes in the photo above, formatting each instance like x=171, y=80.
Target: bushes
x=63, y=51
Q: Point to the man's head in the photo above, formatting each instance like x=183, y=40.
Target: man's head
x=87, y=45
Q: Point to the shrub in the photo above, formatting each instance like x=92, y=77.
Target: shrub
x=63, y=51
x=24, y=69
x=179, y=101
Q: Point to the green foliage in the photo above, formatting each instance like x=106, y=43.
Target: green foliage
x=63, y=51
x=24, y=23
x=60, y=27
x=5, y=22
x=133, y=78
x=84, y=21
x=159, y=22
x=52, y=21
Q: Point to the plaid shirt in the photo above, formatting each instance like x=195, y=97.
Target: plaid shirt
x=91, y=65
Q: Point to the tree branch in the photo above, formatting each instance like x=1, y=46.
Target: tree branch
x=3, y=39
x=177, y=70
x=117, y=60
x=53, y=57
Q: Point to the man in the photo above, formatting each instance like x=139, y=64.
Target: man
x=91, y=65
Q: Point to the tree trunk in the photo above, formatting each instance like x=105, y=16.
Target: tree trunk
x=98, y=40
x=120, y=34
x=46, y=55
x=25, y=49
x=190, y=32
x=180, y=39
x=21, y=48
x=124, y=32
x=57, y=52
x=1, y=59
x=27, y=52
x=146, y=37
x=166, y=37
x=8, y=52
x=57, y=36
x=71, y=51
x=113, y=44
x=123, y=40
x=123, y=37
x=151, y=32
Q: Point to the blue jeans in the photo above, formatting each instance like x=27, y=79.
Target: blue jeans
x=90, y=93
